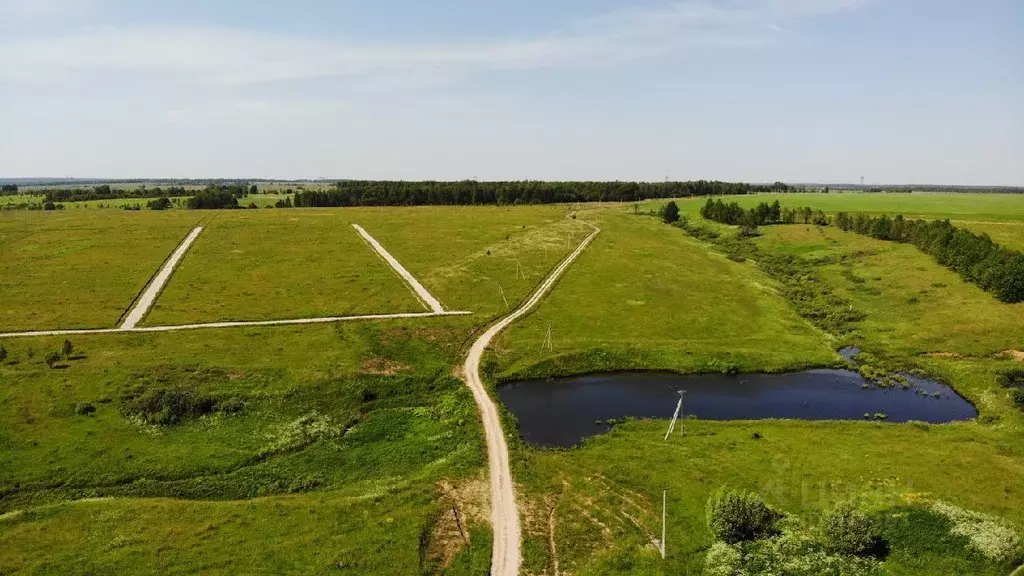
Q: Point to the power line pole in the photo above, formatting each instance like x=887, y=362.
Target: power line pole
x=675, y=416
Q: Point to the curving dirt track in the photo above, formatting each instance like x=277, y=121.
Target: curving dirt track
x=505, y=556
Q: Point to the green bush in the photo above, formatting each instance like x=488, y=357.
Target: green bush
x=1017, y=397
x=3, y=353
x=168, y=406
x=846, y=530
x=51, y=359
x=735, y=516
x=84, y=409
x=670, y=213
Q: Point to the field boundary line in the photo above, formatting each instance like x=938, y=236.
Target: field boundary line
x=235, y=324
x=505, y=554
x=151, y=293
x=422, y=293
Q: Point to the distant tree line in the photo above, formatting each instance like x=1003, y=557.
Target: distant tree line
x=105, y=192
x=975, y=257
x=9, y=190
x=472, y=192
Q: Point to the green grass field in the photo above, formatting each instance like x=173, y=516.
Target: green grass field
x=67, y=270
x=646, y=296
x=340, y=450
x=313, y=449
x=264, y=265
x=710, y=314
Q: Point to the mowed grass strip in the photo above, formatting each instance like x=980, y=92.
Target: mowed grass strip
x=645, y=295
x=281, y=264
x=80, y=270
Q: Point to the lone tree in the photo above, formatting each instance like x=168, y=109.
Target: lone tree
x=67, y=348
x=3, y=353
x=671, y=213
x=52, y=358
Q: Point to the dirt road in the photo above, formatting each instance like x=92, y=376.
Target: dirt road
x=505, y=556
x=149, y=296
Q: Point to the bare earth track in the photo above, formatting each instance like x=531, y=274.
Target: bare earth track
x=505, y=556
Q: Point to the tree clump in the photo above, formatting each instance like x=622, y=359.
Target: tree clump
x=735, y=516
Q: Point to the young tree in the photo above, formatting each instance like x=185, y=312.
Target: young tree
x=67, y=348
x=51, y=359
x=671, y=213
x=3, y=353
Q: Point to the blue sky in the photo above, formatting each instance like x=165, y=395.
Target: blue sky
x=897, y=91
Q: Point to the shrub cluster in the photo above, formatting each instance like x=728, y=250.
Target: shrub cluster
x=167, y=406
x=1013, y=379
x=735, y=516
x=846, y=530
x=161, y=203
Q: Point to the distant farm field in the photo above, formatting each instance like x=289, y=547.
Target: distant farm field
x=80, y=270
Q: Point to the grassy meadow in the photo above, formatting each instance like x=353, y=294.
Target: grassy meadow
x=314, y=449
x=646, y=295
x=257, y=265
x=339, y=439
x=69, y=270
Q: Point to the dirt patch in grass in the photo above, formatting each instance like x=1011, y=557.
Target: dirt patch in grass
x=383, y=367
x=943, y=355
x=1017, y=355
x=463, y=504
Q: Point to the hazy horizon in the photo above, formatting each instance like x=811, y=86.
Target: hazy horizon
x=801, y=91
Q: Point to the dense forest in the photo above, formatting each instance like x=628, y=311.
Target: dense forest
x=975, y=257
x=469, y=192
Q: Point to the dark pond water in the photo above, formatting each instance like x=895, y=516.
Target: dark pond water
x=563, y=411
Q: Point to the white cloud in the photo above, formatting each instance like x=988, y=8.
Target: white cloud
x=231, y=56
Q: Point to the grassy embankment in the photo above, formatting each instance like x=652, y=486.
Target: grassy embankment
x=641, y=281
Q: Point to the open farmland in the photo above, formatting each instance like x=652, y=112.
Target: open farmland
x=269, y=449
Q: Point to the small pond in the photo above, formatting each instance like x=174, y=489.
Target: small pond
x=564, y=411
